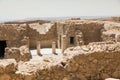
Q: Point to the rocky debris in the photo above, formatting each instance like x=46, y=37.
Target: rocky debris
x=111, y=31
x=93, y=47
x=7, y=66
x=25, y=53
x=26, y=68
x=77, y=63
x=48, y=59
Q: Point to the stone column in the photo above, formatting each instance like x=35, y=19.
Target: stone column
x=58, y=41
x=63, y=45
x=38, y=48
x=117, y=38
x=53, y=47
x=28, y=43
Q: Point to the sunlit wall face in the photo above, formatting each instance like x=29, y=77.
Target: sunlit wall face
x=56, y=8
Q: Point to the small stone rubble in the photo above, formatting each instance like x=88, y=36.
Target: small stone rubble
x=95, y=61
x=7, y=65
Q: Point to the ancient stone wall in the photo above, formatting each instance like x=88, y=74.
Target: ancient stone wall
x=7, y=68
x=111, y=32
x=45, y=39
x=19, y=54
x=95, y=66
x=95, y=61
x=13, y=34
x=90, y=32
x=83, y=63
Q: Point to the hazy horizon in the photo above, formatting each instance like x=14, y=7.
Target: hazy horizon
x=21, y=9
x=54, y=18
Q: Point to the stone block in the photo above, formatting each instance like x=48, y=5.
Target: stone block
x=7, y=66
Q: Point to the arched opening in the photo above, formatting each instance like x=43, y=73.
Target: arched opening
x=2, y=48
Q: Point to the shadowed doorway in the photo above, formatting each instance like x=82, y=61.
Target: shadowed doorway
x=71, y=40
x=2, y=48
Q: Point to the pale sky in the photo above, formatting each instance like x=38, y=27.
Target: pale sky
x=58, y=8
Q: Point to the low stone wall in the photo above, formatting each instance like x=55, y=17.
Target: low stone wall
x=19, y=54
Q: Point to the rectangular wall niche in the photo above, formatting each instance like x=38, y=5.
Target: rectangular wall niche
x=71, y=40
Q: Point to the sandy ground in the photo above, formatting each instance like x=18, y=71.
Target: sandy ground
x=111, y=79
x=47, y=55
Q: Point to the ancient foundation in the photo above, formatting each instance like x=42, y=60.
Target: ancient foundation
x=88, y=63
x=90, y=50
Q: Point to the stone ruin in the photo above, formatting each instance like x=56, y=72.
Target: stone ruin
x=90, y=50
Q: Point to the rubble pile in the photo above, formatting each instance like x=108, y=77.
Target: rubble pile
x=95, y=61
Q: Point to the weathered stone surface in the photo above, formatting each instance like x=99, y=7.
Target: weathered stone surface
x=104, y=76
x=5, y=77
x=77, y=66
x=24, y=53
x=7, y=66
x=95, y=61
x=80, y=76
x=12, y=53
x=18, y=54
x=116, y=74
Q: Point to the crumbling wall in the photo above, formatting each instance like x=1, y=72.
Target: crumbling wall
x=7, y=69
x=19, y=54
x=94, y=66
x=13, y=34
x=91, y=31
x=82, y=63
x=89, y=67
x=45, y=39
x=95, y=61
x=111, y=32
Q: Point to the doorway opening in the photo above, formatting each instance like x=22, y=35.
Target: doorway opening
x=2, y=48
x=60, y=41
x=71, y=40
